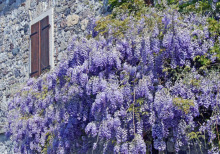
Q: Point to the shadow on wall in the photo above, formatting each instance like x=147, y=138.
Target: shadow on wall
x=6, y=6
x=6, y=145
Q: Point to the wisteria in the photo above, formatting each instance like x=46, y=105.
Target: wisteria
x=119, y=95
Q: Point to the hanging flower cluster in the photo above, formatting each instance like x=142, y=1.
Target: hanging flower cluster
x=113, y=91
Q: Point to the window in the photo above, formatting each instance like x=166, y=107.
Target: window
x=40, y=47
x=41, y=44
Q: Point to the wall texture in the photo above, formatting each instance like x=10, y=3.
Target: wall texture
x=70, y=19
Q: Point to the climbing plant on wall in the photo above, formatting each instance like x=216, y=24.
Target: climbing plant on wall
x=131, y=87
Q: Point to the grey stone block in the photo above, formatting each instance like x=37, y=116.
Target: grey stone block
x=15, y=51
x=17, y=73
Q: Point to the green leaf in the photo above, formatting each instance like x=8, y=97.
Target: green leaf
x=140, y=101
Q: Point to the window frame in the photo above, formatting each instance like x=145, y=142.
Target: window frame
x=48, y=13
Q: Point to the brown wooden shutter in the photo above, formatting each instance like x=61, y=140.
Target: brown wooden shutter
x=35, y=50
x=44, y=52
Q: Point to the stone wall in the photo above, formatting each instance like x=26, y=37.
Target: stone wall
x=70, y=19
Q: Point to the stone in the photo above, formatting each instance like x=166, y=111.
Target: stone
x=61, y=9
x=85, y=13
x=26, y=27
x=3, y=57
x=33, y=4
x=84, y=24
x=1, y=40
x=72, y=20
x=73, y=7
x=63, y=46
x=2, y=65
x=3, y=105
x=78, y=9
x=17, y=73
x=7, y=31
x=61, y=56
x=67, y=36
x=2, y=86
x=12, y=81
x=5, y=71
x=15, y=51
x=11, y=46
x=67, y=11
x=27, y=4
x=10, y=55
x=63, y=23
